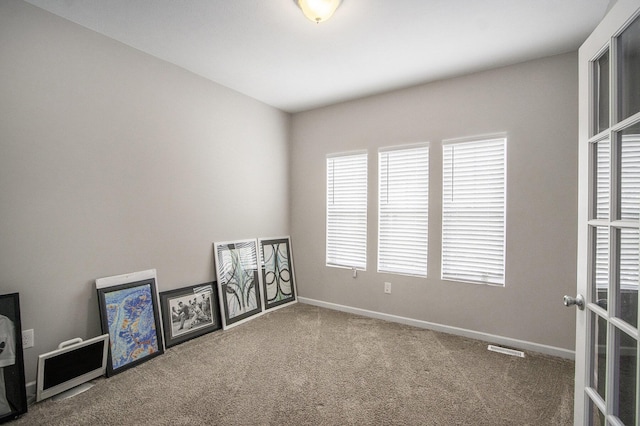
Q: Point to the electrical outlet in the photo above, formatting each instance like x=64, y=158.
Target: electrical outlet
x=27, y=339
x=387, y=288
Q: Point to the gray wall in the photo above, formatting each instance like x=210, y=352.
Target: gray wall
x=112, y=161
x=535, y=103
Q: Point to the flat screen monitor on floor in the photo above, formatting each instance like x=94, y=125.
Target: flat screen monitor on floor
x=65, y=371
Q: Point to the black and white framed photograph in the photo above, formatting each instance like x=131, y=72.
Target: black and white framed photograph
x=129, y=312
x=13, y=397
x=189, y=312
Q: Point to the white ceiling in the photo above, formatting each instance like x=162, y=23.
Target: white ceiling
x=268, y=50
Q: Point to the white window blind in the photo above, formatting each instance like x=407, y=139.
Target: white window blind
x=347, y=211
x=473, y=211
x=602, y=184
x=628, y=240
x=403, y=210
x=629, y=200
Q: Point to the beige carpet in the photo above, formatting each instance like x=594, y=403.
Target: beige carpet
x=304, y=365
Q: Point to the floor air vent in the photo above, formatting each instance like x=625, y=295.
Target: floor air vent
x=506, y=351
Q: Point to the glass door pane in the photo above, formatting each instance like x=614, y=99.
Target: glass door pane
x=601, y=266
x=597, y=418
x=601, y=77
x=627, y=290
x=629, y=69
x=626, y=371
x=602, y=178
x=629, y=194
x=599, y=372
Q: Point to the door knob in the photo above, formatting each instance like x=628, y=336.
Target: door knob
x=570, y=301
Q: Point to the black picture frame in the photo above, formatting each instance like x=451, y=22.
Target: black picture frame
x=190, y=312
x=278, y=277
x=134, y=336
x=13, y=393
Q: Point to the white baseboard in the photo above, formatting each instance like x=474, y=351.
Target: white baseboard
x=31, y=392
x=486, y=337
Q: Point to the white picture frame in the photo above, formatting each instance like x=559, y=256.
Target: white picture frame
x=239, y=281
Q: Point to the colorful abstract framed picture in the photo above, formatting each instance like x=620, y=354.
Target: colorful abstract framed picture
x=129, y=314
x=278, y=279
x=189, y=312
x=238, y=281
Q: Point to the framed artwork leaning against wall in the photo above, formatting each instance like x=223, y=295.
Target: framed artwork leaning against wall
x=13, y=397
x=278, y=278
x=190, y=312
x=238, y=281
x=129, y=313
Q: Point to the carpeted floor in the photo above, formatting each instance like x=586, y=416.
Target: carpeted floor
x=304, y=365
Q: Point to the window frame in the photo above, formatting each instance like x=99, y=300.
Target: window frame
x=331, y=260
x=389, y=257
x=475, y=276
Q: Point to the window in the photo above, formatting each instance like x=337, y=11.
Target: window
x=473, y=211
x=347, y=211
x=403, y=207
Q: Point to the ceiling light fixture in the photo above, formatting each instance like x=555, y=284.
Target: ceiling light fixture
x=318, y=10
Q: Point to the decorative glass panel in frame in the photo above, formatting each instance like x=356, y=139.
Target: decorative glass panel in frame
x=129, y=312
x=238, y=281
x=278, y=278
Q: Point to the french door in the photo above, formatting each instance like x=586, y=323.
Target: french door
x=607, y=341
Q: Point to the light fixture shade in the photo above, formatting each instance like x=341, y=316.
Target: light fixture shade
x=318, y=10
